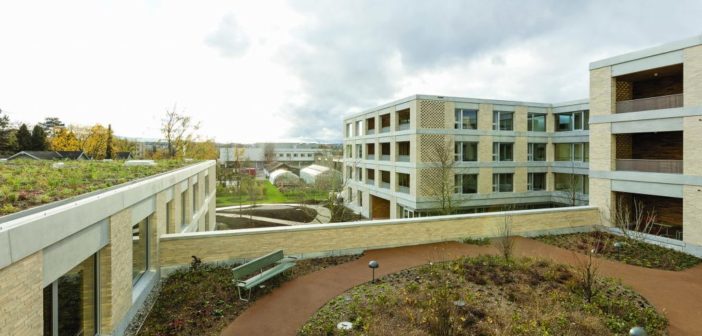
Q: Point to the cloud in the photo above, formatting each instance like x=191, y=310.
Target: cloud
x=229, y=38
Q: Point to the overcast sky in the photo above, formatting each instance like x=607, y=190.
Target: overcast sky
x=275, y=70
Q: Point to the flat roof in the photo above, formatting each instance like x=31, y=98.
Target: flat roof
x=648, y=52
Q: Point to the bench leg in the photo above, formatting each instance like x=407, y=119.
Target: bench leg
x=241, y=298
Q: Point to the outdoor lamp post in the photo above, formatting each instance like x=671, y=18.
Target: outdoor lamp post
x=618, y=246
x=373, y=265
x=637, y=331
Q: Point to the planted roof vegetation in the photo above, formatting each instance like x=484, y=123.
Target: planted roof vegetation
x=29, y=183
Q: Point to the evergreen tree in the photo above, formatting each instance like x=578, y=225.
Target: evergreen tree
x=24, y=138
x=108, y=149
x=5, y=134
x=50, y=125
x=39, y=142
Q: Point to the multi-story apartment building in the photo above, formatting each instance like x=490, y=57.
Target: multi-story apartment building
x=404, y=158
x=646, y=126
x=292, y=154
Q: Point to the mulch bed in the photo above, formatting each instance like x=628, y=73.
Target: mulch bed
x=231, y=223
x=202, y=299
x=295, y=214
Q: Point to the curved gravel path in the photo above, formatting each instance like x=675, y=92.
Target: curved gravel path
x=676, y=294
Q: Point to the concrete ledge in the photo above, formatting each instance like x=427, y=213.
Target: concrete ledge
x=661, y=49
x=677, y=112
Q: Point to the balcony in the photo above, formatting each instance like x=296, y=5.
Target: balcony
x=385, y=185
x=370, y=181
x=370, y=156
x=403, y=158
x=651, y=166
x=653, y=103
x=403, y=189
x=385, y=157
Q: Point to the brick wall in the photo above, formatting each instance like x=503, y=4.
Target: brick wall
x=330, y=237
x=623, y=146
x=21, y=297
x=657, y=146
x=692, y=76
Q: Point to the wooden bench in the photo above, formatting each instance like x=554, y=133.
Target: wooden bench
x=260, y=267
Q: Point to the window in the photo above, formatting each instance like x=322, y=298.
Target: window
x=359, y=198
x=466, y=151
x=349, y=173
x=385, y=123
x=502, y=182
x=586, y=152
x=466, y=119
x=571, y=182
x=359, y=128
x=536, y=122
x=466, y=183
x=349, y=152
x=502, y=151
x=573, y=121
x=74, y=312
x=140, y=249
x=370, y=125
x=370, y=151
x=536, y=152
x=385, y=151
x=385, y=179
x=359, y=151
x=195, y=197
x=349, y=130
x=403, y=183
x=403, y=151
x=207, y=185
x=403, y=119
x=359, y=174
x=502, y=121
x=170, y=223
x=572, y=152
x=295, y=155
x=183, y=213
x=536, y=181
x=370, y=176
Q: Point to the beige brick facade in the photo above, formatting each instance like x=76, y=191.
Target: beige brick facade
x=601, y=92
x=21, y=297
x=601, y=147
x=692, y=213
x=692, y=148
x=116, y=272
x=692, y=76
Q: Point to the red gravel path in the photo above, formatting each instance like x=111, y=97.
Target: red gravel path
x=676, y=294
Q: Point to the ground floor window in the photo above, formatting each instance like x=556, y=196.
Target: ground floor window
x=503, y=182
x=71, y=302
x=536, y=181
x=140, y=249
x=466, y=183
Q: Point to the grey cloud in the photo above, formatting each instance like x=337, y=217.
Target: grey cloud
x=352, y=53
x=229, y=39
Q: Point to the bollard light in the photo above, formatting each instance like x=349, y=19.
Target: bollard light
x=373, y=265
x=618, y=246
x=637, y=331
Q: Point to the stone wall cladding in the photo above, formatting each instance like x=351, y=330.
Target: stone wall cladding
x=623, y=90
x=601, y=196
x=429, y=144
x=692, y=214
x=373, y=235
x=21, y=294
x=623, y=146
x=692, y=146
x=432, y=114
x=116, y=272
x=692, y=76
x=601, y=147
x=601, y=92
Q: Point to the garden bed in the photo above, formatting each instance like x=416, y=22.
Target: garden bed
x=485, y=296
x=631, y=251
x=202, y=299
x=296, y=214
x=235, y=223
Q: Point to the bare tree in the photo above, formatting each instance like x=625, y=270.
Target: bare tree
x=587, y=266
x=505, y=241
x=178, y=130
x=634, y=222
x=441, y=184
x=269, y=152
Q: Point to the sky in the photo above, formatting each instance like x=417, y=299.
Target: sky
x=255, y=71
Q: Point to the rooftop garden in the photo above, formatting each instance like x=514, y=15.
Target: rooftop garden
x=25, y=184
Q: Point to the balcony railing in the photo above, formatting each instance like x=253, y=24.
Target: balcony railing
x=370, y=157
x=403, y=158
x=653, y=103
x=403, y=126
x=403, y=189
x=385, y=129
x=385, y=157
x=370, y=181
x=653, y=166
x=385, y=185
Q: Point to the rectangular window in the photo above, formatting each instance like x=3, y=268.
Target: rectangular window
x=502, y=151
x=370, y=125
x=536, y=122
x=70, y=303
x=169, y=217
x=502, y=182
x=385, y=179
x=502, y=121
x=140, y=249
x=466, y=183
x=385, y=123
x=403, y=183
x=349, y=130
x=359, y=174
x=466, y=151
x=359, y=151
x=403, y=119
x=349, y=151
x=403, y=151
x=195, y=198
x=536, y=152
x=563, y=152
x=466, y=119
x=359, y=128
x=578, y=152
x=349, y=173
x=370, y=176
x=359, y=198
x=564, y=122
x=536, y=181
x=370, y=151
x=573, y=121
x=183, y=213
x=571, y=182
x=385, y=151
x=586, y=152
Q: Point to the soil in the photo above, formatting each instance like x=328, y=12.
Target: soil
x=344, y=214
x=231, y=223
x=202, y=299
x=295, y=214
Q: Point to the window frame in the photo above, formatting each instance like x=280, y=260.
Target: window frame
x=459, y=184
x=460, y=117
x=497, y=120
x=459, y=153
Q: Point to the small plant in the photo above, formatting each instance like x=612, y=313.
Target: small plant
x=505, y=241
x=476, y=241
x=196, y=263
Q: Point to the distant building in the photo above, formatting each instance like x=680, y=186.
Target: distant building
x=50, y=155
x=123, y=156
x=316, y=173
x=293, y=154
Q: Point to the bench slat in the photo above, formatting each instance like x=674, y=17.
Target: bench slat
x=257, y=279
x=257, y=264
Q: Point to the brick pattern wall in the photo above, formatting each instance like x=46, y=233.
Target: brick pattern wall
x=624, y=90
x=601, y=91
x=430, y=144
x=432, y=114
x=374, y=235
x=692, y=212
x=21, y=295
x=116, y=272
x=692, y=148
x=623, y=146
x=692, y=76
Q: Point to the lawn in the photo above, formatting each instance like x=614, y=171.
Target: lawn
x=271, y=194
x=485, y=296
x=632, y=252
x=28, y=183
x=202, y=299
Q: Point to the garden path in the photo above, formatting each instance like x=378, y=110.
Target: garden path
x=323, y=214
x=678, y=295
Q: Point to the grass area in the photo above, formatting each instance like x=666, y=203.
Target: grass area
x=202, y=299
x=28, y=183
x=632, y=252
x=485, y=296
x=271, y=194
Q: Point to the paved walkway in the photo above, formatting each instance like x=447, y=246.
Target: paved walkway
x=676, y=294
x=323, y=214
